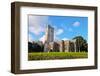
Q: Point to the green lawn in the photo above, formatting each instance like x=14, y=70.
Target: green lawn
x=56, y=55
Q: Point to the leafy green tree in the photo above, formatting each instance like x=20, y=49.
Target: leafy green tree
x=35, y=47
x=81, y=44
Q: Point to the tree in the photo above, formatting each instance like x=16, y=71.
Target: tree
x=30, y=47
x=35, y=47
x=81, y=44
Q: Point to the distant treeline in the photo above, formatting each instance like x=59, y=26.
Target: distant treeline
x=35, y=47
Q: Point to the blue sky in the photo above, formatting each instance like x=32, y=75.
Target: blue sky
x=66, y=27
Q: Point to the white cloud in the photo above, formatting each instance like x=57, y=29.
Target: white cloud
x=59, y=31
x=42, y=38
x=65, y=39
x=56, y=38
x=76, y=24
x=30, y=38
x=37, y=24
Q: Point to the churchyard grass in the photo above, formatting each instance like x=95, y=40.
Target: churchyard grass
x=56, y=55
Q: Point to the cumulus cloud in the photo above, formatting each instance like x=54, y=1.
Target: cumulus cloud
x=42, y=38
x=59, y=31
x=56, y=37
x=76, y=24
x=37, y=24
x=30, y=38
x=65, y=39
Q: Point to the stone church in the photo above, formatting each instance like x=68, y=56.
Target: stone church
x=57, y=46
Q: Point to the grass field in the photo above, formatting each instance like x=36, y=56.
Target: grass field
x=56, y=55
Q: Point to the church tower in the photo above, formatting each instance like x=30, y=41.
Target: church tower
x=49, y=34
x=49, y=37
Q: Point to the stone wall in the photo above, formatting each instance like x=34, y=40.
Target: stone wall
x=61, y=46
